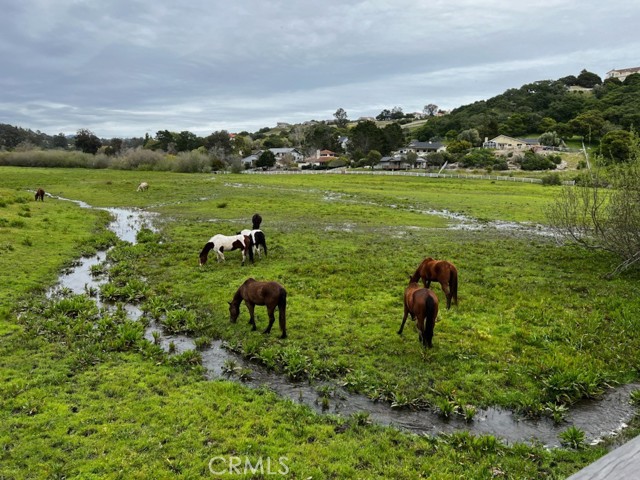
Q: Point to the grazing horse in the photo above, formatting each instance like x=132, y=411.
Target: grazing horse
x=142, y=187
x=40, y=195
x=258, y=240
x=439, y=271
x=224, y=243
x=422, y=305
x=271, y=294
x=256, y=220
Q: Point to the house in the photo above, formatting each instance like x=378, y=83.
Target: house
x=623, y=73
x=422, y=148
x=392, y=163
x=321, y=157
x=504, y=142
x=283, y=153
x=250, y=161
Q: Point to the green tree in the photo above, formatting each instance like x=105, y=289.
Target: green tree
x=266, y=160
x=618, y=146
x=588, y=79
x=341, y=118
x=550, y=139
x=373, y=158
x=459, y=146
x=393, y=136
x=60, y=141
x=219, y=141
x=430, y=109
x=590, y=125
x=471, y=135
x=366, y=136
x=87, y=142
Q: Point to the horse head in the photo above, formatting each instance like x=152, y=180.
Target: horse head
x=234, y=311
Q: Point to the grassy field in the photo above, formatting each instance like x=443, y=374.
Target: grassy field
x=536, y=328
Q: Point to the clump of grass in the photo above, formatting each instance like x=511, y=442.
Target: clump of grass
x=222, y=205
x=573, y=437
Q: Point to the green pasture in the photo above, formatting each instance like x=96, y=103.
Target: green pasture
x=537, y=327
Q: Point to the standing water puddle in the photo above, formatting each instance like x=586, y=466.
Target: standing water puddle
x=598, y=419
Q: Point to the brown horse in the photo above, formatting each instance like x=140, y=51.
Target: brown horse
x=40, y=195
x=422, y=305
x=271, y=294
x=439, y=271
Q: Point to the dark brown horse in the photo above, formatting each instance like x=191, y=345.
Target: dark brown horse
x=422, y=305
x=271, y=294
x=439, y=271
x=40, y=195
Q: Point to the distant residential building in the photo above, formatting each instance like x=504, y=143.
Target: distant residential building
x=293, y=153
x=396, y=162
x=422, y=148
x=622, y=73
x=504, y=142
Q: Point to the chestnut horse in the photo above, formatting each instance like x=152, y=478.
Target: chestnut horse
x=439, y=271
x=40, y=195
x=224, y=243
x=271, y=294
x=422, y=305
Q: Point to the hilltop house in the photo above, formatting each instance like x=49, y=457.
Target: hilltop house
x=422, y=148
x=623, y=73
x=504, y=142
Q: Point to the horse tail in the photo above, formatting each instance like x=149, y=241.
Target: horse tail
x=248, y=245
x=205, y=253
x=431, y=312
x=282, y=312
x=261, y=241
x=453, y=284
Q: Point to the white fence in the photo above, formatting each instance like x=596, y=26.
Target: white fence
x=500, y=178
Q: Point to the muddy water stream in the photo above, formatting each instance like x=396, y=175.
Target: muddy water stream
x=598, y=419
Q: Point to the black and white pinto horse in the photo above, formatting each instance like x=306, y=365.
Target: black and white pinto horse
x=224, y=243
x=258, y=240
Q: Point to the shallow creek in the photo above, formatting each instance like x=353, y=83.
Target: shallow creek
x=598, y=419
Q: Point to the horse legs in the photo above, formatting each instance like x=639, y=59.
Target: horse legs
x=220, y=256
x=252, y=320
x=447, y=292
x=404, y=319
x=272, y=318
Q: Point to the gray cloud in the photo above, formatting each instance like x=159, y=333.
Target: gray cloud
x=126, y=68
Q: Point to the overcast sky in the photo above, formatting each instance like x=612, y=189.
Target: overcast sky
x=123, y=68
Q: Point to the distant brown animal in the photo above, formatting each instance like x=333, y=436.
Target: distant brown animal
x=143, y=186
x=40, y=195
x=422, y=305
x=271, y=294
x=440, y=271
